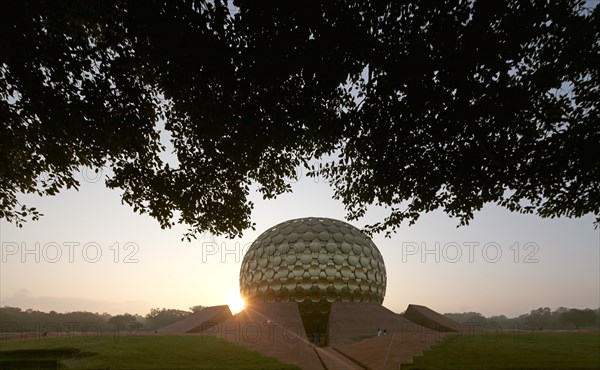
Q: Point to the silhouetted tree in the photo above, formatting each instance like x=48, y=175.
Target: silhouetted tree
x=159, y=317
x=17, y=320
x=413, y=105
x=579, y=318
x=125, y=322
x=197, y=308
x=540, y=318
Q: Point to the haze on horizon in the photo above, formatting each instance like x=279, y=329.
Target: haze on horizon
x=501, y=264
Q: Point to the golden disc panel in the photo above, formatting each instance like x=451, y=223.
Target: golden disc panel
x=313, y=259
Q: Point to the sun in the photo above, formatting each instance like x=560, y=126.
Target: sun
x=235, y=301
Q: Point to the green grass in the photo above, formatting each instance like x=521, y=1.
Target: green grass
x=139, y=352
x=525, y=350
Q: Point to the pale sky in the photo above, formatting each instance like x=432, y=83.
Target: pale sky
x=558, y=261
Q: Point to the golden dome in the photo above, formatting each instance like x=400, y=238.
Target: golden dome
x=313, y=261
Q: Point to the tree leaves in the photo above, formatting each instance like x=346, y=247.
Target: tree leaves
x=431, y=105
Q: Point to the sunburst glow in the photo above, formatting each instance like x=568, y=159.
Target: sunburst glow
x=235, y=301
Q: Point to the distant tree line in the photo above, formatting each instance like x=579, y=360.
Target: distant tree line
x=15, y=319
x=538, y=319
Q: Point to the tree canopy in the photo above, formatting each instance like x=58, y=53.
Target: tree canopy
x=537, y=319
x=160, y=317
x=416, y=105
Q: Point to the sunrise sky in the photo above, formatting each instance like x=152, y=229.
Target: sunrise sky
x=89, y=252
x=95, y=254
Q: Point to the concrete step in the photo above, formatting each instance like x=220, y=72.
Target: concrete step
x=333, y=360
x=272, y=329
x=198, y=321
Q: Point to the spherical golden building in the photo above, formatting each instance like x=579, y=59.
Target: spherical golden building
x=313, y=261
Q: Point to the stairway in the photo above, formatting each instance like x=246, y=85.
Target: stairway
x=333, y=360
x=389, y=351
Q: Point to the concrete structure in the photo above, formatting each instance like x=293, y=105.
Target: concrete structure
x=352, y=322
x=276, y=330
x=313, y=261
x=273, y=329
x=313, y=289
x=428, y=318
x=198, y=321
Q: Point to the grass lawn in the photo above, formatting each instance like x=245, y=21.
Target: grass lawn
x=525, y=350
x=139, y=352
